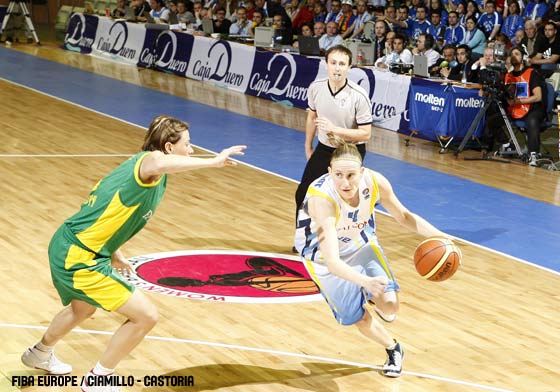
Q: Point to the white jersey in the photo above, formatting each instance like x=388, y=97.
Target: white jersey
x=355, y=226
x=348, y=108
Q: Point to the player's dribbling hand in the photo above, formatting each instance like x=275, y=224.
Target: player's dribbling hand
x=222, y=158
x=122, y=266
x=376, y=285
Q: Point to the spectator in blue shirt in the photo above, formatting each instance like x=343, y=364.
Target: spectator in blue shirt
x=420, y=25
x=241, y=25
x=437, y=29
x=535, y=10
x=435, y=5
x=514, y=21
x=455, y=33
x=474, y=38
x=491, y=21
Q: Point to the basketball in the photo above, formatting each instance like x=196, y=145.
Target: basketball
x=437, y=259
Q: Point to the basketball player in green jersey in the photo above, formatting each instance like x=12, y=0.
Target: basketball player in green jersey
x=84, y=253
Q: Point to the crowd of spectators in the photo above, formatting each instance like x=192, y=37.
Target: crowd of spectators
x=422, y=26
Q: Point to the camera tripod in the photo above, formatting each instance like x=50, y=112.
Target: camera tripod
x=492, y=98
x=25, y=12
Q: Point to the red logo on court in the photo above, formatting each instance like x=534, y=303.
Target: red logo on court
x=227, y=276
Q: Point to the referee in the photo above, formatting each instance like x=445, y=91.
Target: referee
x=336, y=107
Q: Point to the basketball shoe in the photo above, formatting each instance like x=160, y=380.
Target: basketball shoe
x=96, y=388
x=533, y=159
x=393, y=365
x=37, y=359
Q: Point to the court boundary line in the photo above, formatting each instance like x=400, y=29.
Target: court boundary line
x=269, y=351
x=269, y=172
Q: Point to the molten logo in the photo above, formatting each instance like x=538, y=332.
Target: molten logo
x=225, y=276
x=429, y=98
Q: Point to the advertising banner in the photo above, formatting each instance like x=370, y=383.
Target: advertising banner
x=80, y=34
x=223, y=63
x=282, y=77
x=119, y=41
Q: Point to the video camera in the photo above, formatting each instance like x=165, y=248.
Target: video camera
x=492, y=78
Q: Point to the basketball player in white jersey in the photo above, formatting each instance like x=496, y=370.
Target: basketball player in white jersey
x=336, y=237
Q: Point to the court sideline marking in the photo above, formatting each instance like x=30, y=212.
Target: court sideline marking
x=260, y=169
x=268, y=351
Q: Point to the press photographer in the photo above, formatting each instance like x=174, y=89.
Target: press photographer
x=522, y=90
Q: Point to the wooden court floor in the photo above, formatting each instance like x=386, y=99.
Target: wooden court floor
x=494, y=325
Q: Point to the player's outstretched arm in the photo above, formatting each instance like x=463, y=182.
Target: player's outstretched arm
x=156, y=163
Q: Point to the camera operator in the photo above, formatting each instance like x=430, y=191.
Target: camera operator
x=525, y=102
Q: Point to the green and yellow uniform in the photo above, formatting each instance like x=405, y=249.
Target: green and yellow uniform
x=80, y=251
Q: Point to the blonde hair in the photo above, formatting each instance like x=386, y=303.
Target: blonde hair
x=163, y=129
x=344, y=150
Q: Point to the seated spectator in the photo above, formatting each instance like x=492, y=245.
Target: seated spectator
x=437, y=29
x=319, y=12
x=425, y=46
x=335, y=13
x=260, y=5
x=241, y=25
x=471, y=10
x=347, y=18
x=420, y=25
x=379, y=39
x=230, y=6
x=120, y=10
x=304, y=15
x=533, y=39
x=319, y=29
x=518, y=38
x=331, y=38
x=454, y=33
x=197, y=10
x=474, y=38
x=159, y=12
x=283, y=29
x=514, y=20
x=446, y=60
x=220, y=23
x=487, y=58
x=362, y=17
x=553, y=14
x=399, y=53
x=141, y=9
x=491, y=21
x=535, y=10
x=548, y=53
x=462, y=70
x=258, y=20
x=306, y=31
x=437, y=6
x=183, y=15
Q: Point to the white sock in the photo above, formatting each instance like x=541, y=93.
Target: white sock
x=392, y=347
x=42, y=350
x=99, y=370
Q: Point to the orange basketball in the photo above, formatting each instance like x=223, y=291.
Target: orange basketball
x=437, y=259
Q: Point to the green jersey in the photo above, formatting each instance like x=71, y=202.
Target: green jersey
x=117, y=208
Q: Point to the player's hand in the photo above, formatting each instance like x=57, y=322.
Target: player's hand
x=222, y=159
x=121, y=265
x=308, y=152
x=376, y=285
